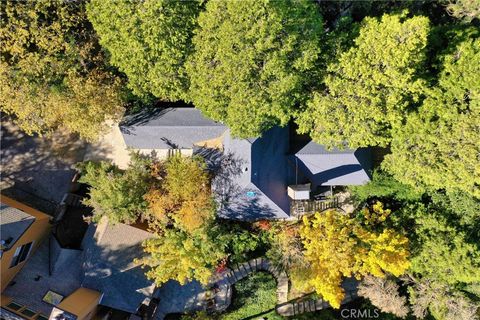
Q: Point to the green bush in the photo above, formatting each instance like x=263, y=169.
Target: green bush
x=254, y=296
x=115, y=193
x=385, y=186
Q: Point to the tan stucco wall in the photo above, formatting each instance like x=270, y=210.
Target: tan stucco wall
x=82, y=303
x=110, y=146
x=37, y=231
x=164, y=153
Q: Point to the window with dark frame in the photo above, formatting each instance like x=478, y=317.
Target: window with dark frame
x=14, y=306
x=21, y=254
x=27, y=312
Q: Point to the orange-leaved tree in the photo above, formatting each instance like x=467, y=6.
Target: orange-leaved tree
x=183, y=197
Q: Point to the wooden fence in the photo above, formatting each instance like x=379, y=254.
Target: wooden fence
x=300, y=207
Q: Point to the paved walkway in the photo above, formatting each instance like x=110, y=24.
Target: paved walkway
x=176, y=298
x=37, y=170
x=110, y=146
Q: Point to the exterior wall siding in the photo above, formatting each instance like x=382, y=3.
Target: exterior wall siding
x=82, y=302
x=37, y=231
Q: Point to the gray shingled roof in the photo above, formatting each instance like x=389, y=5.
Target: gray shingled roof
x=110, y=268
x=315, y=148
x=334, y=167
x=259, y=188
x=13, y=223
x=168, y=128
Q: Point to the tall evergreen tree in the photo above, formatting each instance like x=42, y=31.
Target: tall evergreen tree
x=439, y=147
x=252, y=61
x=149, y=41
x=370, y=88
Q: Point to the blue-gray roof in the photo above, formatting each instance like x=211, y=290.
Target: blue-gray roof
x=258, y=190
x=334, y=167
x=168, y=128
x=110, y=268
x=13, y=223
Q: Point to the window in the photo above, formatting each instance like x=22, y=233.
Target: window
x=28, y=313
x=21, y=254
x=41, y=317
x=14, y=306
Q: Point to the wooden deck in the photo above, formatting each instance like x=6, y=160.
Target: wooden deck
x=299, y=208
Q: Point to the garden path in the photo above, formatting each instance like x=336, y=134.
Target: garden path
x=175, y=298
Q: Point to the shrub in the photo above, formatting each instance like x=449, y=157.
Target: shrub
x=254, y=295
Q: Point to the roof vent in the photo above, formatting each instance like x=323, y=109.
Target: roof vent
x=251, y=194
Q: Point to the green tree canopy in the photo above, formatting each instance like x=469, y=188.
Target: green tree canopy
x=370, y=88
x=383, y=185
x=178, y=255
x=115, y=193
x=252, y=61
x=438, y=148
x=442, y=251
x=51, y=69
x=149, y=41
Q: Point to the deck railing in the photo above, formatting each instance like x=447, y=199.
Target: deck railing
x=299, y=208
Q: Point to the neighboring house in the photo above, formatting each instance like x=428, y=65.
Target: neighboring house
x=22, y=229
x=109, y=266
x=98, y=278
x=261, y=176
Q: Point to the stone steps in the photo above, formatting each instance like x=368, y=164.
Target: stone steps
x=241, y=271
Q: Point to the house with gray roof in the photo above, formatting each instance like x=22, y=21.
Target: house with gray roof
x=169, y=130
x=22, y=228
x=13, y=224
x=334, y=167
x=257, y=189
x=256, y=176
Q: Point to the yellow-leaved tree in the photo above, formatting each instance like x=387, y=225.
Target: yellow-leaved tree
x=337, y=246
x=177, y=255
x=53, y=73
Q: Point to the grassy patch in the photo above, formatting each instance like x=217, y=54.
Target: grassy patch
x=255, y=297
